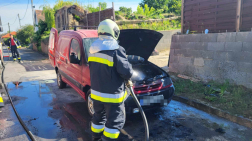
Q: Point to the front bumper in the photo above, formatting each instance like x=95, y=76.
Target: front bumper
x=130, y=103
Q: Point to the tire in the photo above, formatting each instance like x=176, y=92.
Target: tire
x=90, y=104
x=61, y=84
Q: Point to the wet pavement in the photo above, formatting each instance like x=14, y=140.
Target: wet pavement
x=61, y=114
x=38, y=108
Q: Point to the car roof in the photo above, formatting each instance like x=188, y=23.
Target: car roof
x=83, y=33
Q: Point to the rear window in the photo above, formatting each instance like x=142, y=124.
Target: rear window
x=87, y=44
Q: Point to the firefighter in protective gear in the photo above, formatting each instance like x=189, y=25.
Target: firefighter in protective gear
x=109, y=68
x=13, y=45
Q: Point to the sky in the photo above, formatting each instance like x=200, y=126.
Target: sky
x=9, y=9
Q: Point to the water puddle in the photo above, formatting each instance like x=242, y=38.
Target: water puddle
x=44, y=118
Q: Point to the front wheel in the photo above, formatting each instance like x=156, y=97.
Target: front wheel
x=61, y=84
x=90, y=104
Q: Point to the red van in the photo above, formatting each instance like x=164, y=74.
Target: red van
x=68, y=54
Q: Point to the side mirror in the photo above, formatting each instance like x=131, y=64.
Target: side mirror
x=74, y=59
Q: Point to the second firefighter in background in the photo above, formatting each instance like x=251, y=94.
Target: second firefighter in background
x=14, y=44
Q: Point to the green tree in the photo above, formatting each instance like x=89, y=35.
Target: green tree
x=177, y=7
x=92, y=9
x=42, y=31
x=147, y=12
x=167, y=5
x=25, y=34
x=61, y=3
x=49, y=16
x=49, y=12
x=125, y=9
x=103, y=5
x=140, y=10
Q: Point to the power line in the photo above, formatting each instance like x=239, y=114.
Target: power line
x=14, y=21
x=10, y=3
x=25, y=11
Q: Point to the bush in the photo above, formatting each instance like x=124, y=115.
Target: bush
x=92, y=9
x=148, y=13
x=77, y=18
x=168, y=6
x=5, y=40
x=165, y=25
x=42, y=33
x=25, y=34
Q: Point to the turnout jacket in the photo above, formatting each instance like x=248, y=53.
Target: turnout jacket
x=15, y=40
x=109, y=68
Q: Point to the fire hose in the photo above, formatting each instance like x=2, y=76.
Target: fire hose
x=130, y=85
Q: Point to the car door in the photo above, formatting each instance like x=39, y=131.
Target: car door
x=75, y=69
x=52, y=45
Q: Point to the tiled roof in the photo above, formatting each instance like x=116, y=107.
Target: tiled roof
x=40, y=15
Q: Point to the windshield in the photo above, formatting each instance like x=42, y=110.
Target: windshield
x=87, y=44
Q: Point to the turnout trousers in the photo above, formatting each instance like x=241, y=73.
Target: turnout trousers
x=107, y=120
x=14, y=51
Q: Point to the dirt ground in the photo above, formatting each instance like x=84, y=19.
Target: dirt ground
x=160, y=60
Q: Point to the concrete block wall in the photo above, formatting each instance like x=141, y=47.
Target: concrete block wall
x=44, y=45
x=217, y=56
x=165, y=42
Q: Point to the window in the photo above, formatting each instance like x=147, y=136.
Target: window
x=58, y=19
x=63, y=45
x=75, y=48
x=87, y=44
x=63, y=22
x=51, y=41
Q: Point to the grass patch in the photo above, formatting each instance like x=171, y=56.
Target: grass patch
x=234, y=99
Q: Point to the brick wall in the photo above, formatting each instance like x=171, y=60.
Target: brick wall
x=44, y=47
x=215, y=57
x=34, y=46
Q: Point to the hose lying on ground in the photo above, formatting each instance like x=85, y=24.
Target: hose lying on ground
x=20, y=120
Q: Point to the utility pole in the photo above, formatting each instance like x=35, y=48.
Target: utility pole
x=99, y=14
x=9, y=27
x=33, y=14
x=1, y=28
x=19, y=21
x=113, y=11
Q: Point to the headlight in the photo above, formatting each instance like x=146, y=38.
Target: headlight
x=167, y=82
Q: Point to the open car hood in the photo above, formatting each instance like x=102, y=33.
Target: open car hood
x=139, y=42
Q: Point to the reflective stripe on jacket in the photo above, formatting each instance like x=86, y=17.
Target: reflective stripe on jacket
x=108, y=71
x=15, y=40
